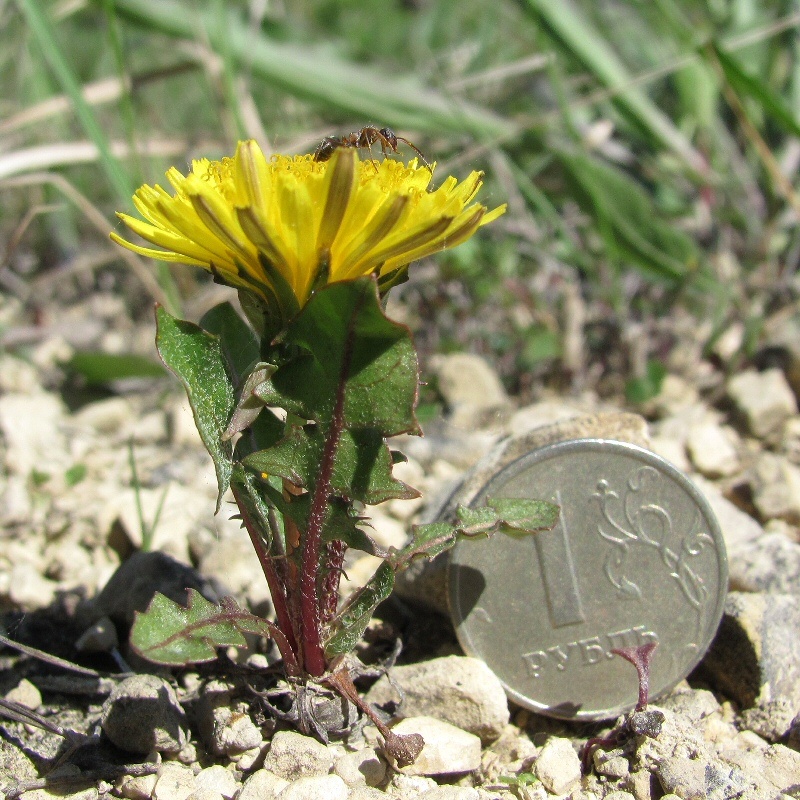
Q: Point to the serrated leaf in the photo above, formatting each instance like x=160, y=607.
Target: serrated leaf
x=196, y=358
x=510, y=516
x=170, y=634
x=362, y=470
x=426, y=541
x=349, y=338
x=524, y=516
x=352, y=621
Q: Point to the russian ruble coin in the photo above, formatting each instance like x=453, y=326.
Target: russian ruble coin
x=636, y=556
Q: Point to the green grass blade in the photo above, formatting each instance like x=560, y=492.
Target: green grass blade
x=747, y=85
x=42, y=31
x=569, y=26
x=316, y=75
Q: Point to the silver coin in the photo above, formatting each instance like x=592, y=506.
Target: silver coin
x=636, y=556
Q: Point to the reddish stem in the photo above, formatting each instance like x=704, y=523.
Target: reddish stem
x=268, y=568
x=330, y=588
x=309, y=599
x=404, y=749
x=313, y=655
x=640, y=658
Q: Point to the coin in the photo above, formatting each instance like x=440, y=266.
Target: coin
x=636, y=556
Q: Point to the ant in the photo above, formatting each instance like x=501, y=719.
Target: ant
x=365, y=138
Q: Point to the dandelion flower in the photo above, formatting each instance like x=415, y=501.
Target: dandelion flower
x=282, y=228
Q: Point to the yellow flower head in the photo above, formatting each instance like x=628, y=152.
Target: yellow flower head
x=284, y=227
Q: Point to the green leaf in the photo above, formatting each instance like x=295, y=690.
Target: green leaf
x=352, y=621
x=238, y=341
x=646, y=387
x=349, y=338
x=168, y=633
x=517, y=516
x=362, y=470
x=196, y=358
x=249, y=405
x=262, y=433
x=75, y=474
x=510, y=516
x=102, y=368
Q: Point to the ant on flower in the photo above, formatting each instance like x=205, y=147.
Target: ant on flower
x=365, y=138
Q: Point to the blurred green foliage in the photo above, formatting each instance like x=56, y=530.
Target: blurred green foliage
x=640, y=144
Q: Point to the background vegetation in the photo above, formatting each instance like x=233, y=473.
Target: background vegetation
x=648, y=152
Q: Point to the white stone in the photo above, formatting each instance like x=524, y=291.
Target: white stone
x=409, y=787
x=360, y=768
x=233, y=733
x=262, y=785
x=676, y=395
x=105, y=416
x=181, y=509
x=450, y=793
x=31, y=427
x=765, y=399
x=711, y=448
x=776, y=487
x=231, y=560
x=29, y=589
x=558, y=766
x=318, y=787
x=448, y=750
x=205, y=794
x=470, y=388
x=218, y=779
x=739, y=530
x=456, y=689
x=673, y=450
x=366, y=793
x=26, y=694
x=292, y=755
x=17, y=376
x=139, y=788
x=175, y=782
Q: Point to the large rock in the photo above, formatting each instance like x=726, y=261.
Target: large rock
x=362, y=767
x=317, y=787
x=775, y=484
x=764, y=398
x=755, y=657
x=470, y=387
x=770, y=564
x=132, y=586
x=460, y=690
x=262, y=785
x=558, y=766
x=143, y=714
x=448, y=750
x=292, y=756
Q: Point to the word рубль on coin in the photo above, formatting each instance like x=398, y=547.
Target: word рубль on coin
x=586, y=652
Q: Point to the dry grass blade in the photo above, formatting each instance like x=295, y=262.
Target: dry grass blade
x=108, y=90
x=98, y=220
x=48, y=658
